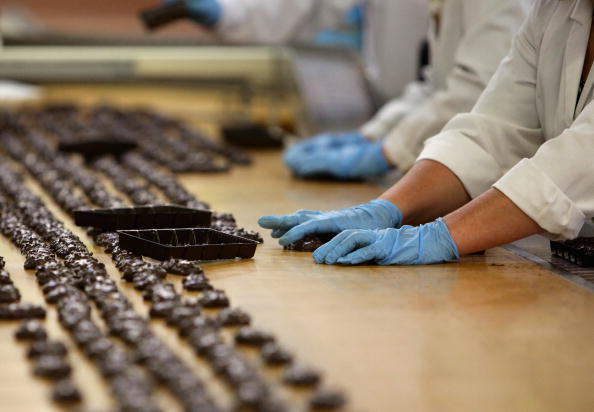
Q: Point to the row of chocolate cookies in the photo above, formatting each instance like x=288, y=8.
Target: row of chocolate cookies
x=74, y=314
x=178, y=134
x=10, y=296
x=50, y=361
x=62, y=286
x=129, y=384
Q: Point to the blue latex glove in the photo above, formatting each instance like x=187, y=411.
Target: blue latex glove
x=294, y=154
x=204, y=12
x=377, y=214
x=351, y=161
x=349, y=36
x=420, y=245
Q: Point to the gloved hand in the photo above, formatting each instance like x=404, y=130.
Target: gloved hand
x=296, y=152
x=361, y=159
x=377, y=214
x=204, y=12
x=420, y=245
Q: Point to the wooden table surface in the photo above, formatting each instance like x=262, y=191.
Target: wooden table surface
x=490, y=333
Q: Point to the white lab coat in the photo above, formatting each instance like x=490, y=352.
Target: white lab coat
x=393, y=33
x=474, y=36
x=527, y=136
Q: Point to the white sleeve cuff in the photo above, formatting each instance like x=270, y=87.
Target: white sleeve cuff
x=394, y=111
x=540, y=198
x=385, y=120
x=398, y=152
x=476, y=169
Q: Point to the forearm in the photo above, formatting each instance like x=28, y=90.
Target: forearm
x=489, y=220
x=428, y=191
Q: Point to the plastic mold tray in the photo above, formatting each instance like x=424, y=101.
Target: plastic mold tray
x=97, y=147
x=143, y=217
x=579, y=251
x=190, y=244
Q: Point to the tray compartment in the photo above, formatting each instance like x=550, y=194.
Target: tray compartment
x=143, y=217
x=187, y=243
x=579, y=251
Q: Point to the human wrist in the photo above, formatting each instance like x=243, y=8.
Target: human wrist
x=446, y=237
x=392, y=214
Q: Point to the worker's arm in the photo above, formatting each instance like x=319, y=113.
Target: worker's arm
x=490, y=220
x=428, y=191
x=488, y=25
x=426, y=107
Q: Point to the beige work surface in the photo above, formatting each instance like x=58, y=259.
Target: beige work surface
x=490, y=333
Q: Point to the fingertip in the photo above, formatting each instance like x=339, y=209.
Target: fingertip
x=331, y=258
x=287, y=239
x=318, y=260
x=277, y=233
x=268, y=221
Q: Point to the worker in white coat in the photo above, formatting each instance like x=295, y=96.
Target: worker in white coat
x=468, y=40
x=521, y=162
x=393, y=30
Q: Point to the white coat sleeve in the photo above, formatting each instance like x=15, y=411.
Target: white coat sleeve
x=394, y=111
x=279, y=21
x=492, y=26
x=556, y=186
x=551, y=182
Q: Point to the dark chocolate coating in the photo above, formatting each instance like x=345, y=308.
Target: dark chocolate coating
x=52, y=367
x=46, y=347
x=301, y=376
x=196, y=282
x=65, y=391
x=182, y=267
x=327, y=399
x=22, y=311
x=215, y=298
x=233, y=317
x=274, y=354
x=310, y=243
x=9, y=294
x=31, y=330
x=252, y=337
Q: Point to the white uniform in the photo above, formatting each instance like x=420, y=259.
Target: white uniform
x=474, y=36
x=394, y=30
x=528, y=135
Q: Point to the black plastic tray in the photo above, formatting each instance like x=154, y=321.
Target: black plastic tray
x=245, y=134
x=97, y=146
x=143, y=217
x=574, y=252
x=189, y=244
